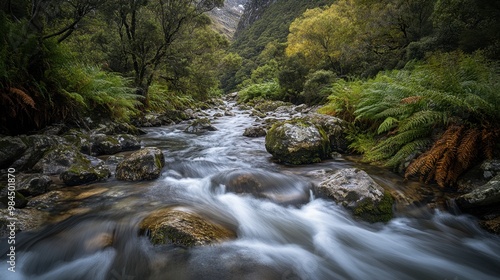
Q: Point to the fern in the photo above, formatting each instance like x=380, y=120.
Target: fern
x=425, y=119
x=407, y=150
x=388, y=124
x=454, y=93
x=23, y=96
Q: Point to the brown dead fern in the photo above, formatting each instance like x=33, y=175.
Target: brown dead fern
x=458, y=148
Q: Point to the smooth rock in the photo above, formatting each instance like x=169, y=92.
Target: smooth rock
x=297, y=142
x=145, y=164
x=356, y=190
x=183, y=227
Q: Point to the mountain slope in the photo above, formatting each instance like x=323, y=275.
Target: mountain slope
x=226, y=19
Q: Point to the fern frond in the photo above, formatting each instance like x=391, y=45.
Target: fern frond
x=25, y=98
x=443, y=167
x=399, y=111
x=411, y=99
x=489, y=138
x=387, y=125
x=468, y=148
x=426, y=118
x=407, y=150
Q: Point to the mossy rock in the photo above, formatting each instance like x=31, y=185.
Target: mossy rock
x=254, y=132
x=297, y=142
x=379, y=211
x=269, y=105
x=354, y=189
x=83, y=173
x=182, y=227
x=19, y=200
x=145, y=164
x=200, y=125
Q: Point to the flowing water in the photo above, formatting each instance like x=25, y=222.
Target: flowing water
x=283, y=231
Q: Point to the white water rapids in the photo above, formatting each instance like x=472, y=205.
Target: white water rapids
x=309, y=238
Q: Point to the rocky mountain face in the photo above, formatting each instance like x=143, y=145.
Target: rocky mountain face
x=253, y=11
x=226, y=18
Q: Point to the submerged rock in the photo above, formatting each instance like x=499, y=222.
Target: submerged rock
x=356, y=190
x=200, y=125
x=182, y=227
x=297, y=142
x=279, y=188
x=145, y=164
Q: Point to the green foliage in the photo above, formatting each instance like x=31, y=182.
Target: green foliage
x=317, y=87
x=269, y=90
x=408, y=106
x=99, y=92
x=344, y=97
x=264, y=39
x=162, y=100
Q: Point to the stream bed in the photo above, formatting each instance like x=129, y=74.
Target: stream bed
x=304, y=238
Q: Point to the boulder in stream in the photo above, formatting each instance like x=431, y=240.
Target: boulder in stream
x=111, y=144
x=356, y=190
x=484, y=202
x=279, y=188
x=73, y=167
x=254, y=131
x=334, y=129
x=200, y=125
x=145, y=164
x=297, y=142
x=183, y=227
x=26, y=220
x=482, y=199
x=33, y=184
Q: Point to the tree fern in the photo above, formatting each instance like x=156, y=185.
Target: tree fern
x=388, y=124
x=427, y=119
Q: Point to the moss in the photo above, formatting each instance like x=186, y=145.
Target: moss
x=276, y=144
x=375, y=212
x=173, y=226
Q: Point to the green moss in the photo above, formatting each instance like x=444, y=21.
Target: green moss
x=277, y=145
x=172, y=235
x=380, y=212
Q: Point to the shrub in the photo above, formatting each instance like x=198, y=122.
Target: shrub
x=267, y=90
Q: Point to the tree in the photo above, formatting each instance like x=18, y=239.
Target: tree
x=326, y=36
x=359, y=36
x=147, y=30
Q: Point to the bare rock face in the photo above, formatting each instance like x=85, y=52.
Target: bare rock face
x=182, y=227
x=356, y=190
x=145, y=164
